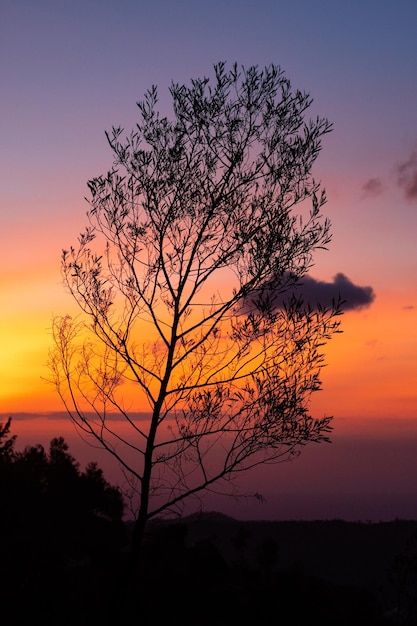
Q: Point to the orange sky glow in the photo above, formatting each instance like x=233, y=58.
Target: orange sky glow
x=369, y=367
x=70, y=72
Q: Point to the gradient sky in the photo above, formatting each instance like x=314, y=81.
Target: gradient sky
x=71, y=70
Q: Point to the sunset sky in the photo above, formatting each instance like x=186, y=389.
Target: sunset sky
x=71, y=70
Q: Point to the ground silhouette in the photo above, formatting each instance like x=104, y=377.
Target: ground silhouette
x=64, y=546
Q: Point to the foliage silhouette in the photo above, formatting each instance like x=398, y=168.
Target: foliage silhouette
x=55, y=522
x=60, y=566
x=202, y=583
x=202, y=221
x=403, y=575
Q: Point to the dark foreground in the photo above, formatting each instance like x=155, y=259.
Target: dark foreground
x=213, y=570
x=64, y=548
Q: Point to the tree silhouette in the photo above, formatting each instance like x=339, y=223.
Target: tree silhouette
x=62, y=533
x=203, y=220
x=56, y=522
x=7, y=443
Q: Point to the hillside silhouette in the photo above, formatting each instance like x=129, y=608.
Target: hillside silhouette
x=65, y=544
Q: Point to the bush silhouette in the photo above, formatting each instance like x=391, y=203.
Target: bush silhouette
x=61, y=531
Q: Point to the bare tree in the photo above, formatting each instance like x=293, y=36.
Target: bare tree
x=205, y=219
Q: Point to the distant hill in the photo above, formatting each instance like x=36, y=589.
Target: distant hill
x=348, y=553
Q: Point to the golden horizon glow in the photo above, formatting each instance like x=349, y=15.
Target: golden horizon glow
x=361, y=378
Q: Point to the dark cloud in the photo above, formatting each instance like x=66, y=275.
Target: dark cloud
x=407, y=176
x=316, y=292
x=372, y=187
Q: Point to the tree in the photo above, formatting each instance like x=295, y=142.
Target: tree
x=61, y=529
x=7, y=442
x=201, y=223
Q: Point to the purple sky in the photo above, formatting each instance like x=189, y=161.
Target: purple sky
x=71, y=70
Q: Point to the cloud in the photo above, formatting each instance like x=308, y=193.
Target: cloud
x=407, y=176
x=320, y=293
x=54, y=416
x=373, y=187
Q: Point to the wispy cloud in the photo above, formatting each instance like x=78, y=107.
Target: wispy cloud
x=407, y=176
x=373, y=187
x=58, y=416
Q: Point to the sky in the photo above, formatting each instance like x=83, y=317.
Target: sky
x=71, y=70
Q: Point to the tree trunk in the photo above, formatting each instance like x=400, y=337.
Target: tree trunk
x=129, y=602
x=132, y=569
